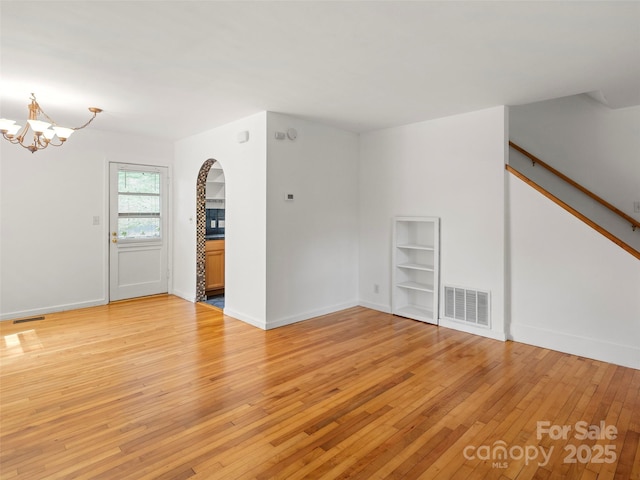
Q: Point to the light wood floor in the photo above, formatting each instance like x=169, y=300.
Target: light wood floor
x=160, y=388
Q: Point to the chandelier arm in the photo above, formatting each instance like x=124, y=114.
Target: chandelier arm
x=12, y=139
x=50, y=142
x=16, y=141
x=37, y=146
x=23, y=132
x=40, y=141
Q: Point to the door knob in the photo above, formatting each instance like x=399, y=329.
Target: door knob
x=114, y=237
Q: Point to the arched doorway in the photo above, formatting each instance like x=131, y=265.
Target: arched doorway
x=201, y=229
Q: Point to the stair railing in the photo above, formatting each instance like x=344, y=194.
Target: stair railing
x=634, y=223
x=567, y=207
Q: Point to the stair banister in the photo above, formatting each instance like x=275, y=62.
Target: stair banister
x=634, y=223
x=574, y=212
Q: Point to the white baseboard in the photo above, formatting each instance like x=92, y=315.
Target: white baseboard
x=187, y=296
x=244, y=318
x=624, y=355
x=310, y=314
x=375, y=306
x=443, y=322
x=52, y=309
x=463, y=327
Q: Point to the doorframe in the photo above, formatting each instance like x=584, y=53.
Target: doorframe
x=106, y=232
x=201, y=229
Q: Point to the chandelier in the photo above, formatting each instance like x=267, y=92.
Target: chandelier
x=44, y=133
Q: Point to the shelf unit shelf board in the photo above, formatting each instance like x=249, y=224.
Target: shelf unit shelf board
x=415, y=246
x=423, y=287
x=417, y=266
x=416, y=312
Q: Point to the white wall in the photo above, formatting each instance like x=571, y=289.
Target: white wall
x=572, y=289
x=594, y=145
x=287, y=261
x=53, y=258
x=452, y=168
x=244, y=166
x=312, y=241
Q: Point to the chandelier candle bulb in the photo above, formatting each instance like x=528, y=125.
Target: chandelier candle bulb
x=5, y=124
x=63, y=132
x=38, y=125
x=49, y=134
x=9, y=127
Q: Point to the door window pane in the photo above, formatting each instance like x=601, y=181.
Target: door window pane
x=138, y=205
x=139, y=228
x=131, y=203
x=138, y=182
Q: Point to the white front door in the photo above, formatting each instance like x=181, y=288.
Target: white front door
x=138, y=258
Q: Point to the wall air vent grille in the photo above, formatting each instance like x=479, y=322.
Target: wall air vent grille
x=469, y=306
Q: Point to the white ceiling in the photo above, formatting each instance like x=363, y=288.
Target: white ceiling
x=175, y=68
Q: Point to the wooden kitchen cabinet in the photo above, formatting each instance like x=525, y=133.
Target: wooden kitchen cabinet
x=214, y=266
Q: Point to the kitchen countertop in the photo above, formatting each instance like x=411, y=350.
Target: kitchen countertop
x=217, y=236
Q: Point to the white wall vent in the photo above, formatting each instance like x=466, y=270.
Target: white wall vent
x=469, y=306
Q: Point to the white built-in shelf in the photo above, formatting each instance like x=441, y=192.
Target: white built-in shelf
x=415, y=274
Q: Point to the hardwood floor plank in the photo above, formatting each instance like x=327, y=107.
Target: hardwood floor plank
x=162, y=388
